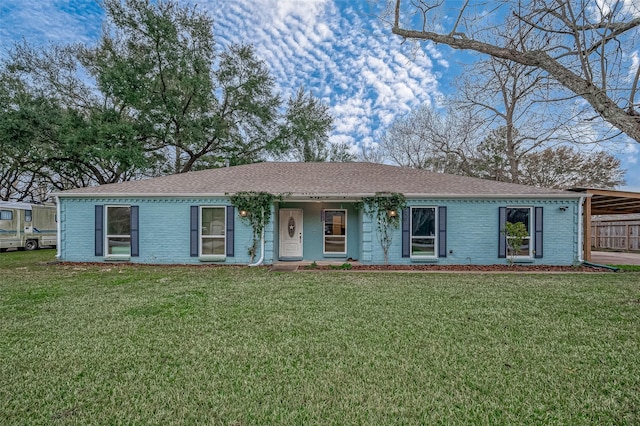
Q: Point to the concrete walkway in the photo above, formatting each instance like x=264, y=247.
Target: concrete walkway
x=615, y=258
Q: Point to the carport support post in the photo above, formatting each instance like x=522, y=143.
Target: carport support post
x=587, y=229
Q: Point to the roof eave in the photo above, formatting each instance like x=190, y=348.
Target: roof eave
x=135, y=195
x=321, y=196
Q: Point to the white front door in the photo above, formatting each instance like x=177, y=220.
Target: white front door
x=291, y=233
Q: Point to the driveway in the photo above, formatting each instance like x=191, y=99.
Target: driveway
x=615, y=258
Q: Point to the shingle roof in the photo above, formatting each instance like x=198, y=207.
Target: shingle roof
x=340, y=180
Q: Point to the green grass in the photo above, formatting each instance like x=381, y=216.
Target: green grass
x=113, y=344
x=628, y=268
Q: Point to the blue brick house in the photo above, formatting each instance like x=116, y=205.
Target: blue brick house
x=188, y=218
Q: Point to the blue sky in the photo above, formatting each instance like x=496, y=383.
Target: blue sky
x=337, y=49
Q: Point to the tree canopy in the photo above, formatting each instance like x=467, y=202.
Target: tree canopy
x=153, y=96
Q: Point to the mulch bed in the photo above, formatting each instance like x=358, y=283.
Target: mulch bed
x=464, y=268
x=358, y=267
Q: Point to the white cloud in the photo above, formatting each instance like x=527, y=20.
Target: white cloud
x=634, y=65
x=48, y=21
x=342, y=54
x=603, y=7
x=631, y=151
x=403, y=93
x=306, y=10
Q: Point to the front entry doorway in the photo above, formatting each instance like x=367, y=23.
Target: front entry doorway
x=291, y=234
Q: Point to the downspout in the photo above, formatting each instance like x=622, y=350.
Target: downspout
x=580, y=231
x=261, y=259
x=58, y=229
x=596, y=265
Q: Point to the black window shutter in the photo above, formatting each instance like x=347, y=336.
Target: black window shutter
x=406, y=232
x=135, y=232
x=99, y=230
x=442, y=231
x=502, y=238
x=537, y=244
x=230, y=229
x=194, y=231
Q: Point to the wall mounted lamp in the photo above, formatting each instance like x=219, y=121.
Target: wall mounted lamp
x=243, y=213
x=392, y=213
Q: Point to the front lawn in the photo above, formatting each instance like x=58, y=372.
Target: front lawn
x=137, y=345
x=628, y=268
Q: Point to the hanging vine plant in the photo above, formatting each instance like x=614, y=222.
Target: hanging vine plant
x=254, y=209
x=384, y=209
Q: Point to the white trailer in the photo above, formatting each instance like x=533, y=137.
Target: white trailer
x=27, y=226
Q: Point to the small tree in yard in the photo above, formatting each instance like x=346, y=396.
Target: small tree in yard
x=515, y=233
x=384, y=208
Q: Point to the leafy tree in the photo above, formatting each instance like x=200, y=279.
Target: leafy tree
x=28, y=124
x=97, y=147
x=79, y=130
x=152, y=97
x=306, y=130
x=155, y=60
x=339, y=152
x=491, y=160
x=580, y=44
x=54, y=72
x=566, y=167
x=158, y=60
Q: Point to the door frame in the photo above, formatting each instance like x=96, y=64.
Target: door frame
x=282, y=229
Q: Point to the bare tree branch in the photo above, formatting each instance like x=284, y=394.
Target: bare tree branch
x=550, y=21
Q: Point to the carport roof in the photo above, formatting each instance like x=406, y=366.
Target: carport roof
x=609, y=201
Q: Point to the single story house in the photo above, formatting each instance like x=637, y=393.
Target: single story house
x=189, y=219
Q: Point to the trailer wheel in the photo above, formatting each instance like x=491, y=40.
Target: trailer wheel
x=31, y=245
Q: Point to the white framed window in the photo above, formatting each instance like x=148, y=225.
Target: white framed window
x=6, y=214
x=335, y=231
x=423, y=232
x=118, y=235
x=524, y=215
x=213, y=231
x=27, y=215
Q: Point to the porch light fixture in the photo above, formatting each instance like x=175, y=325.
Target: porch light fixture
x=392, y=213
x=243, y=213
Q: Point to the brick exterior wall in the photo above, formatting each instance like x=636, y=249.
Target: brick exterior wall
x=164, y=230
x=472, y=231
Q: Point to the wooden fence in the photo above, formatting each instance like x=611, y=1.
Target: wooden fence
x=615, y=235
